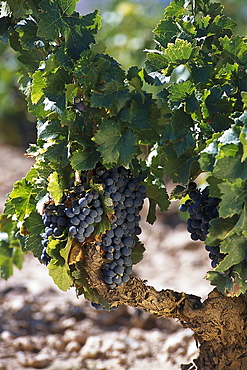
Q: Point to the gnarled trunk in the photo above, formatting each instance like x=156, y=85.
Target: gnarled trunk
x=219, y=323
x=220, y=329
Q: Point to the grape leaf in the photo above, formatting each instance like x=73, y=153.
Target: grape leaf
x=137, y=252
x=235, y=48
x=31, y=59
x=59, y=271
x=179, y=169
x=158, y=194
x=38, y=83
x=113, y=98
x=59, y=152
x=229, y=163
x=180, y=52
x=85, y=159
x=51, y=20
x=54, y=188
x=243, y=140
x=23, y=198
x=60, y=275
x=34, y=228
x=51, y=130
x=234, y=246
x=6, y=267
x=67, y=6
x=233, y=196
x=179, y=92
x=219, y=229
x=231, y=285
x=115, y=145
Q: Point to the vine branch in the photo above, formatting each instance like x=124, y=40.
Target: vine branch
x=136, y=293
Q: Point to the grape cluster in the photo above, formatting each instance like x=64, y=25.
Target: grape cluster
x=55, y=222
x=215, y=255
x=80, y=218
x=81, y=209
x=202, y=209
x=127, y=195
x=86, y=211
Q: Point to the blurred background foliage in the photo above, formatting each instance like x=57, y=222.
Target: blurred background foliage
x=126, y=30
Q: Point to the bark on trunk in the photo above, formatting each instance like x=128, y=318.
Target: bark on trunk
x=219, y=323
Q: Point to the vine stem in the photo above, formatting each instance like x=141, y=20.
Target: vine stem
x=136, y=293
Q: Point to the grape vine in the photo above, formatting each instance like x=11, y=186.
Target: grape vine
x=106, y=137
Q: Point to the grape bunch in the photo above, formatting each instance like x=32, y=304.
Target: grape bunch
x=215, y=255
x=79, y=219
x=85, y=212
x=81, y=209
x=202, y=209
x=127, y=195
x=55, y=222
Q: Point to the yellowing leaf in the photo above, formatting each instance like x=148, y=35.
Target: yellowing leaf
x=38, y=83
x=54, y=187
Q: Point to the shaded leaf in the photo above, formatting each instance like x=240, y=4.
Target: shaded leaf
x=115, y=145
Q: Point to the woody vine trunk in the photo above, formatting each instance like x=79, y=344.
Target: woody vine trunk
x=219, y=323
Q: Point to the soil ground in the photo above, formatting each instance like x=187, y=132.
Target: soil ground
x=43, y=327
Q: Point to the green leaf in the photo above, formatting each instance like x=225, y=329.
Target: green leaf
x=179, y=169
x=113, y=98
x=179, y=52
x=233, y=196
x=54, y=188
x=243, y=140
x=34, y=227
x=207, y=156
x=229, y=163
x=231, y=285
x=235, y=48
x=78, y=41
x=50, y=130
x=6, y=267
x=180, y=91
x=175, y=8
x=38, y=83
x=219, y=229
x=155, y=62
x=67, y=6
x=137, y=252
x=31, y=59
x=158, y=194
x=23, y=198
x=51, y=20
x=166, y=29
x=151, y=217
x=60, y=275
x=27, y=30
x=59, y=271
x=115, y=145
x=234, y=246
x=85, y=159
x=58, y=152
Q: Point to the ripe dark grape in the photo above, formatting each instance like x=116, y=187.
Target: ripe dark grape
x=82, y=209
x=215, y=255
x=127, y=196
x=77, y=219
x=202, y=209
